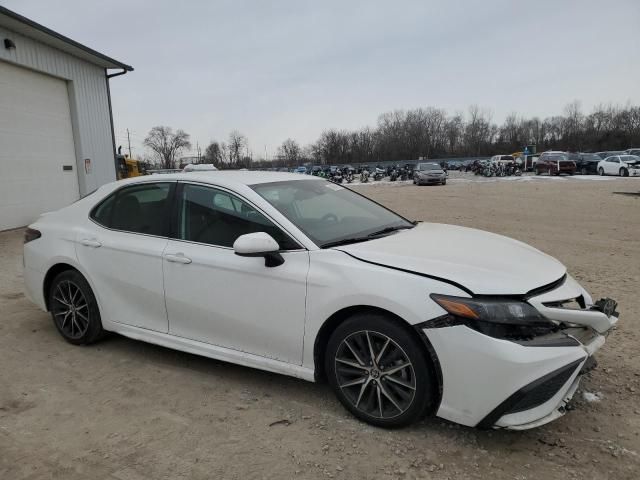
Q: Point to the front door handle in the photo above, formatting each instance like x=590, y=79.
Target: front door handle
x=177, y=258
x=90, y=242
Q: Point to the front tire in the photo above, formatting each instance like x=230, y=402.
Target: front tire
x=379, y=371
x=624, y=172
x=74, y=309
x=583, y=171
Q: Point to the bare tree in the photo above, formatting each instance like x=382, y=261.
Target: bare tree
x=290, y=152
x=237, y=143
x=166, y=145
x=213, y=154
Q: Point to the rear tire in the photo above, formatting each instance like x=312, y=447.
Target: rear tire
x=583, y=171
x=601, y=171
x=379, y=371
x=74, y=308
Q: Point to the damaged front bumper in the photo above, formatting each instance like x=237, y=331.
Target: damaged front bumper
x=496, y=383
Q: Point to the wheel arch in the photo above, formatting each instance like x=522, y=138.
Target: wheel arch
x=52, y=273
x=331, y=323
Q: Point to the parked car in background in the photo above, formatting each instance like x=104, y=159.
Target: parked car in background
x=429, y=174
x=296, y=275
x=586, y=163
x=502, y=158
x=302, y=170
x=200, y=167
x=632, y=151
x=622, y=165
x=609, y=153
x=555, y=163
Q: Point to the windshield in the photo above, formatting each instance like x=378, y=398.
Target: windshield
x=328, y=213
x=429, y=166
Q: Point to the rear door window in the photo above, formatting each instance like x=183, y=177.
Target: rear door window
x=140, y=208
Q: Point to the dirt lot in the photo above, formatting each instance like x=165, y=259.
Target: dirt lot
x=129, y=411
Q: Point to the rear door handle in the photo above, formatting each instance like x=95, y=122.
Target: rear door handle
x=90, y=242
x=177, y=258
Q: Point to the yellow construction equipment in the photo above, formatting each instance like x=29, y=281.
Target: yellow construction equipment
x=129, y=167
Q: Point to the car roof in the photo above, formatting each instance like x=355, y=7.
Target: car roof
x=222, y=177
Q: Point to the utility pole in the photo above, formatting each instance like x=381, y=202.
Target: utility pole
x=129, y=142
x=198, y=150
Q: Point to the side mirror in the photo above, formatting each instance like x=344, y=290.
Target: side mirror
x=259, y=244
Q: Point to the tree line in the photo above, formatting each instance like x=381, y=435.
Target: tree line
x=430, y=133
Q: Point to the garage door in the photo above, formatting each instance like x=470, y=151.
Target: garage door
x=36, y=146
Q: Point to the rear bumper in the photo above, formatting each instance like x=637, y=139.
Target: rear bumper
x=33, y=283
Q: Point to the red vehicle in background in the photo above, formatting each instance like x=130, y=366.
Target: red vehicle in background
x=555, y=163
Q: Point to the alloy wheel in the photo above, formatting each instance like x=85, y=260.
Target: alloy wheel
x=375, y=374
x=70, y=309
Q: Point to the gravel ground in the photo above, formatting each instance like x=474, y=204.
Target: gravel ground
x=129, y=411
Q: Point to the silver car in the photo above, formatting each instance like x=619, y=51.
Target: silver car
x=429, y=173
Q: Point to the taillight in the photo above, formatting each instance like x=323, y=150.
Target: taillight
x=31, y=234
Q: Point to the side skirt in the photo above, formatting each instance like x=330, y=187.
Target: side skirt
x=212, y=351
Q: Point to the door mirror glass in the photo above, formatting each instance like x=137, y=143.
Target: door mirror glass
x=255, y=244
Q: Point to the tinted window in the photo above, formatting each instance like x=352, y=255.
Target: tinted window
x=102, y=213
x=139, y=209
x=215, y=217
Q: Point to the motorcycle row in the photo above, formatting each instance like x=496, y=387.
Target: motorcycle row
x=365, y=174
x=495, y=169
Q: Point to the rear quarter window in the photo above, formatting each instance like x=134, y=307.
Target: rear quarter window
x=102, y=213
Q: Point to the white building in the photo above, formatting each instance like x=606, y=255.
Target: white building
x=56, y=126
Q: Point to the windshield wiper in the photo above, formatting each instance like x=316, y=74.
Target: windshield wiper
x=389, y=230
x=344, y=241
x=347, y=241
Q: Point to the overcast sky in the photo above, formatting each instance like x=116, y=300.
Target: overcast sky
x=279, y=69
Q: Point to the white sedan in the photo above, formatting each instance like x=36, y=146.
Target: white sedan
x=622, y=165
x=300, y=276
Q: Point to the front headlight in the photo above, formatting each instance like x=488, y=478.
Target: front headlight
x=501, y=318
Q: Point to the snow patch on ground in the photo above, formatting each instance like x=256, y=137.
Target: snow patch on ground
x=592, y=397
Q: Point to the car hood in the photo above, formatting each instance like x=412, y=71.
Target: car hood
x=484, y=263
